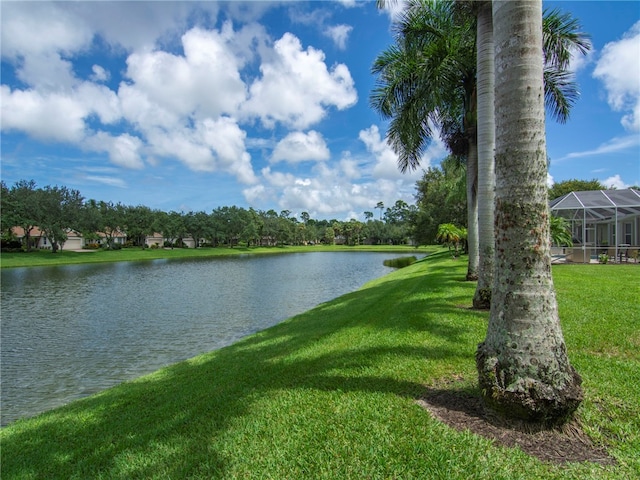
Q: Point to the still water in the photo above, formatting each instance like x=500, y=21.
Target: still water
x=68, y=332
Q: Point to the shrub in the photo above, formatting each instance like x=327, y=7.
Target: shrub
x=11, y=246
x=399, y=262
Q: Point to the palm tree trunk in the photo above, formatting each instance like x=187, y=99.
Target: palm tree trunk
x=472, y=208
x=523, y=367
x=486, y=147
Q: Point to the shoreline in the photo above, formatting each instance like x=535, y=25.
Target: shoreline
x=43, y=258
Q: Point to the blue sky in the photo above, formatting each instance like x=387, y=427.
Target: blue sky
x=191, y=106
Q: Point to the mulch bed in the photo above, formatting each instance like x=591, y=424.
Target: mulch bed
x=464, y=411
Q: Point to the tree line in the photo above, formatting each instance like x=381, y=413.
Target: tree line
x=58, y=210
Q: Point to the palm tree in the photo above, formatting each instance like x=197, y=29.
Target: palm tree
x=523, y=367
x=560, y=231
x=444, y=95
x=449, y=234
x=427, y=80
x=486, y=146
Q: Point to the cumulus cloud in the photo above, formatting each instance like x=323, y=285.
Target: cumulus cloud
x=204, y=82
x=45, y=116
x=330, y=189
x=189, y=95
x=28, y=29
x=123, y=150
x=619, y=69
x=387, y=160
x=299, y=147
x=614, y=181
x=99, y=74
x=296, y=87
x=339, y=34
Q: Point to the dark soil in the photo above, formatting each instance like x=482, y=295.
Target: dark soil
x=463, y=410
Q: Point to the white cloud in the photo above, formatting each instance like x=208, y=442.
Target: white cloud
x=387, y=161
x=339, y=34
x=618, y=144
x=614, y=182
x=619, y=69
x=49, y=116
x=330, y=189
x=204, y=82
x=110, y=181
x=99, y=74
x=296, y=86
x=123, y=150
x=299, y=147
x=40, y=28
x=212, y=145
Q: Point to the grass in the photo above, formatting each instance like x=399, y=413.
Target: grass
x=331, y=393
x=63, y=257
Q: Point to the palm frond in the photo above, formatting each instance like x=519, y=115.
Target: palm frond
x=560, y=93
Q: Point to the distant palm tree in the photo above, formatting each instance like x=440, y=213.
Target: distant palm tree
x=451, y=235
x=560, y=231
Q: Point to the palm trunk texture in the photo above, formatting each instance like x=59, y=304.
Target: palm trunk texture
x=486, y=150
x=523, y=367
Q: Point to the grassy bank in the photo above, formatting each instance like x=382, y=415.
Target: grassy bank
x=332, y=393
x=46, y=258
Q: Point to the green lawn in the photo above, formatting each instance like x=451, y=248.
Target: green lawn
x=332, y=393
x=46, y=258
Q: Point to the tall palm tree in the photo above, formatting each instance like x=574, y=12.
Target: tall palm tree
x=486, y=146
x=561, y=37
x=426, y=80
x=523, y=367
x=443, y=33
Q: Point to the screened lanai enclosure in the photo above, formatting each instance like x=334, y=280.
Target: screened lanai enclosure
x=603, y=223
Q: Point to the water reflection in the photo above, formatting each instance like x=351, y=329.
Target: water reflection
x=70, y=331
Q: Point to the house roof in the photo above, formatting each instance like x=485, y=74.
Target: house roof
x=599, y=204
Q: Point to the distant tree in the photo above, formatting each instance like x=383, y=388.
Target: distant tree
x=109, y=219
x=380, y=206
x=60, y=212
x=197, y=226
x=252, y=227
x=440, y=198
x=172, y=226
x=567, y=186
x=8, y=219
x=451, y=235
x=560, y=231
x=398, y=213
x=329, y=235
x=24, y=208
x=138, y=223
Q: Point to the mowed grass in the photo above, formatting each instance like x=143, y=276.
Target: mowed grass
x=332, y=393
x=66, y=257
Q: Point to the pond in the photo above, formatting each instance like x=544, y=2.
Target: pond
x=71, y=331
